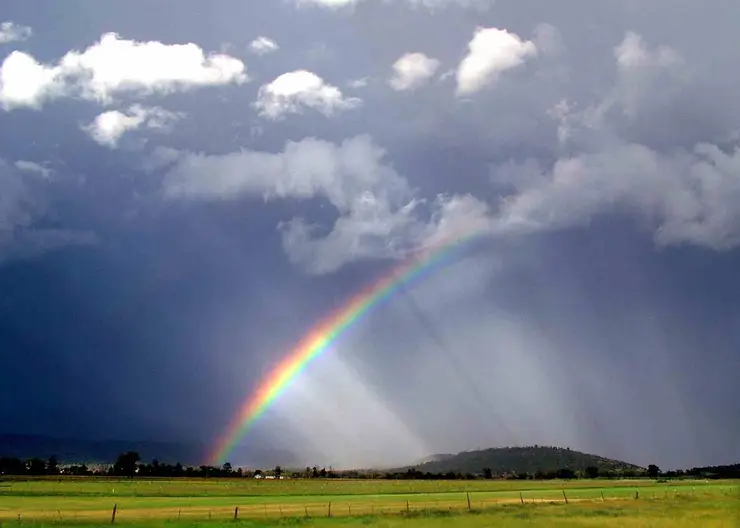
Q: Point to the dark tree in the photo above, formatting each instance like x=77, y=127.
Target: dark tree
x=653, y=471
x=12, y=466
x=565, y=473
x=77, y=470
x=278, y=472
x=125, y=465
x=228, y=468
x=487, y=473
x=36, y=466
x=52, y=466
x=592, y=472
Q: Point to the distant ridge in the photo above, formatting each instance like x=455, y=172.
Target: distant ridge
x=79, y=450
x=87, y=451
x=519, y=460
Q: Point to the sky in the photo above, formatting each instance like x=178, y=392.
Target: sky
x=187, y=188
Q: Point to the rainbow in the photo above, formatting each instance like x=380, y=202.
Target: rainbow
x=323, y=335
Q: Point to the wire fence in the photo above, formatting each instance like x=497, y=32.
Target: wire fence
x=385, y=505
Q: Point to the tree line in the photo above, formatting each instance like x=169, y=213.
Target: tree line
x=129, y=465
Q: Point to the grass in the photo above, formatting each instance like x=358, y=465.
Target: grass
x=162, y=487
x=211, y=503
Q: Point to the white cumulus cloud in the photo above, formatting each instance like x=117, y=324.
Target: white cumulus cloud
x=114, y=66
x=25, y=82
x=12, y=32
x=684, y=194
x=263, y=46
x=379, y=213
x=302, y=169
x=291, y=92
x=362, y=82
x=491, y=52
x=412, y=70
x=108, y=128
x=430, y=4
x=33, y=167
x=330, y=4
x=687, y=196
x=645, y=75
x=376, y=227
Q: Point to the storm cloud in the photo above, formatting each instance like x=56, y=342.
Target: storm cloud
x=183, y=195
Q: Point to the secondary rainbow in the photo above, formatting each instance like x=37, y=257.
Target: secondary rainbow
x=321, y=337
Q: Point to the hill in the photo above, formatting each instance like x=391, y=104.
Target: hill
x=520, y=460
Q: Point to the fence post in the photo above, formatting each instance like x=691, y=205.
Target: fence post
x=179, y=512
x=565, y=496
x=306, y=509
x=637, y=494
x=468, y=495
x=236, y=512
x=329, y=511
x=602, y=495
x=113, y=515
x=521, y=497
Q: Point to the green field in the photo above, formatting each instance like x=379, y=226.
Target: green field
x=383, y=503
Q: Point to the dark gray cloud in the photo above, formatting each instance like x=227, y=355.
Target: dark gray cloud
x=184, y=194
